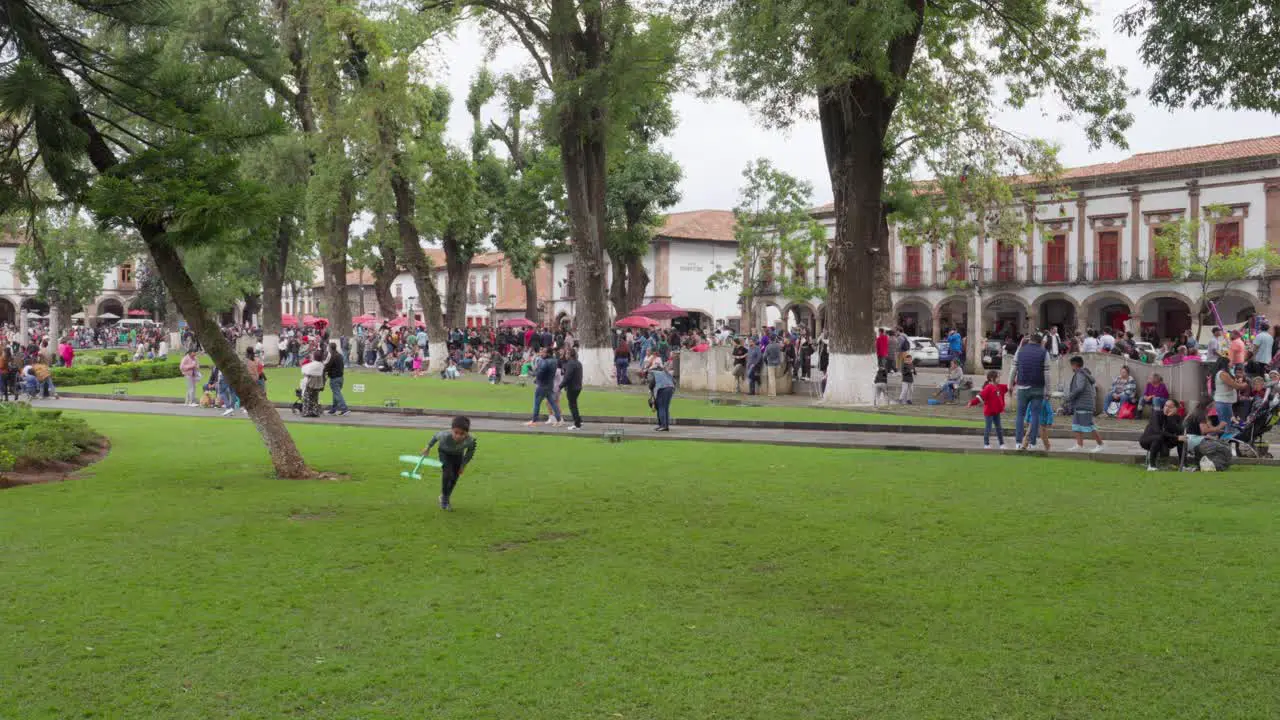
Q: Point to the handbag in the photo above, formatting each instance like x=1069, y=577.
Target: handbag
x=1127, y=411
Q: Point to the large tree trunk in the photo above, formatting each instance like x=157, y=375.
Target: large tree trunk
x=284, y=453
x=273, y=269
x=334, y=262
x=414, y=258
x=853, y=118
x=456, y=270
x=531, y=297
x=384, y=276
x=618, y=286
x=882, y=303
x=583, y=152
x=285, y=457
x=637, y=283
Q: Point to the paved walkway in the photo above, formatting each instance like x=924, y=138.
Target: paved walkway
x=1115, y=451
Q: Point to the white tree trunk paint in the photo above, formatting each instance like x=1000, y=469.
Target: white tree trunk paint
x=597, y=367
x=850, y=380
x=439, y=359
x=270, y=349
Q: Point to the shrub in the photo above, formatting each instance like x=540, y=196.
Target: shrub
x=110, y=358
x=33, y=437
x=120, y=373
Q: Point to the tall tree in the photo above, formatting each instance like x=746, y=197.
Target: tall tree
x=777, y=240
x=595, y=58
x=859, y=62
x=378, y=251
x=138, y=141
x=1209, y=53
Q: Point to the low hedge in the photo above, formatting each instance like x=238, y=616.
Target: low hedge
x=33, y=437
x=122, y=373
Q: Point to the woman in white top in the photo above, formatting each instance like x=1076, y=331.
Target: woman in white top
x=1225, y=390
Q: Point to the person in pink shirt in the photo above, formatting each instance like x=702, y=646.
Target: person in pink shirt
x=1237, y=349
x=67, y=352
x=190, y=368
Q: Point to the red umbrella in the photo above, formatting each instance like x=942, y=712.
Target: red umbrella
x=138, y=312
x=401, y=322
x=517, y=323
x=312, y=321
x=287, y=320
x=636, y=321
x=661, y=311
x=364, y=320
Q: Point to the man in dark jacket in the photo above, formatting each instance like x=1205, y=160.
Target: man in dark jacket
x=334, y=368
x=571, y=383
x=1029, y=370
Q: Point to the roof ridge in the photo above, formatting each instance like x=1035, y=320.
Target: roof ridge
x=1206, y=145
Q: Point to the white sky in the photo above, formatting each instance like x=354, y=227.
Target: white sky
x=716, y=139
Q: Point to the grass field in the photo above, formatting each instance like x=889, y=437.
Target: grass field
x=473, y=395
x=578, y=579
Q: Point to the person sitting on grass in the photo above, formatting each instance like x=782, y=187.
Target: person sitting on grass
x=451, y=372
x=1080, y=401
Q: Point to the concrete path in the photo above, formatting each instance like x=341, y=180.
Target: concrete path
x=1115, y=451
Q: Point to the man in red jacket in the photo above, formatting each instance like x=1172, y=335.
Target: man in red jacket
x=882, y=349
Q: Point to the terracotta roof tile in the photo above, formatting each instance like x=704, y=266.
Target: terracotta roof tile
x=716, y=225
x=1193, y=156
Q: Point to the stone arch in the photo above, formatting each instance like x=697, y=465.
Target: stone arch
x=1094, y=305
x=111, y=304
x=8, y=312
x=1235, y=305
x=999, y=321
x=914, y=315
x=1065, y=312
x=1160, y=316
x=951, y=311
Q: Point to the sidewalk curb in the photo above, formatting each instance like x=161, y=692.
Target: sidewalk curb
x=834, y=443
x=955, y=430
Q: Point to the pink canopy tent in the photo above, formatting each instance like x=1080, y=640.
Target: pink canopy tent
x=289, y=321
x=660, y=311
x=315, y=322
x=364, y=320
x=636, y=321
x=401, y=322
x=138, y=312
x=517, y=323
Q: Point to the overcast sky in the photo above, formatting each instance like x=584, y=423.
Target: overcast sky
x=716, y=139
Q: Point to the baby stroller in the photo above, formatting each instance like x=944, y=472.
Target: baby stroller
x=1247, y=436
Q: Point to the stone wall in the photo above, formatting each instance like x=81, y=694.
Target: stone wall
x=712, y=372
x=1186, y=381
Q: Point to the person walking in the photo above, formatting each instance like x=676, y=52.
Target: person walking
x=992, y=405
x=1029, y=379
x=572, y=386
x=335, y=369
x=755, y=359
x=663, y=387
x=544, y=376
x=1080, y=401
x=190, y=368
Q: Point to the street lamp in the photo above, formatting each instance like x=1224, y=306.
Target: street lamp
x=974, y=356
x=493, y=307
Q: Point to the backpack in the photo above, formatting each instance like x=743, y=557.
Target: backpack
x=1214, y=454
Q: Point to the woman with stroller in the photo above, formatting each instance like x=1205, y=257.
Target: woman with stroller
x=312, y=384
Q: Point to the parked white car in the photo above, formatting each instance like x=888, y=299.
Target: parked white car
x=923, y=352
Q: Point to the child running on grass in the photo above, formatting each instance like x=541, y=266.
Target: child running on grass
x=457, y=447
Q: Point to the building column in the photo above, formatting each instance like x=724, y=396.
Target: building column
x=973, y=356
x=1031, y=244
x=937, y=322
x=1193, y=192
x=1135, y=232
x=1081, y=202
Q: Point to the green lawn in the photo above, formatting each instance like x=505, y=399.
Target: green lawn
x=578, y=579
x=473, y=395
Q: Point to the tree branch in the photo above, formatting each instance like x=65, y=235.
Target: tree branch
x=253, y=64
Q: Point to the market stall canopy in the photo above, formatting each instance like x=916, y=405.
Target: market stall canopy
x=661, y=311
x=401, y=322
x=315, y=322
x=137, y=312
x=364, y=320
x=636, y=321
x=517, y=323
x=289, y=321
x=104, y=316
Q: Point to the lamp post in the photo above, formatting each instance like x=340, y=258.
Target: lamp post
x=973, y=358
x=493, y=308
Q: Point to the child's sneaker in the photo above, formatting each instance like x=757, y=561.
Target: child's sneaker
x=1003, y=446
x=986, y=447
x=1098, y=448
x=1073, y=448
